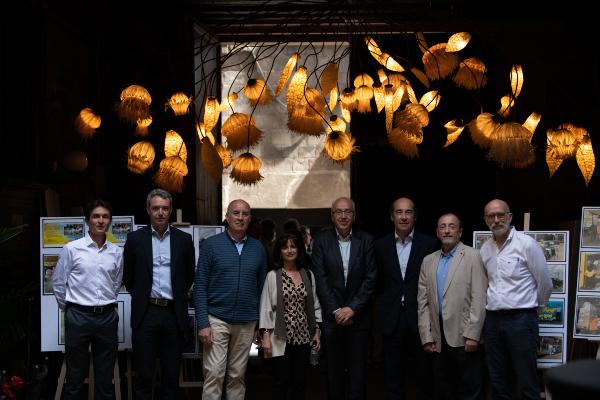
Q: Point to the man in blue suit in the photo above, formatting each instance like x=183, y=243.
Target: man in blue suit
x=345, y=275
x=398, y=256
x=158, y=273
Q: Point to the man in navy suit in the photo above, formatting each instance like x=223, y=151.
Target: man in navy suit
x=158, y=273
x=398, y=256
x=345, y=275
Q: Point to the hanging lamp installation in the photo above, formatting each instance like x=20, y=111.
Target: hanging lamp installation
x=211, y=161
x=140, y=157
x=408, y=130
x=585, y=159
x=175, y=146
x=569, y=141
x=339, y=146
x=329, y=84
x=224, y=154
x=142, y=126
x=287, y=71
x=471, y=74
x=240, y=131
x=135, y=104
x=438, y=63
x=257, y=92
x=458, y=41
x=307, y=115
x=179, y=103
x=171, y=173
x=246, y=169
x=453, y=128
x=87, y=122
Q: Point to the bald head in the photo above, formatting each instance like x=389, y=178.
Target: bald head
x=497, y=204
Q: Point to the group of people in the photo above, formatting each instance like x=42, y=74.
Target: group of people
x=435, y=302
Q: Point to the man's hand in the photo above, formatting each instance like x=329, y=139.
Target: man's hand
x=344, y=316
x=430, y=347
x=471, y=345
x=205, y=336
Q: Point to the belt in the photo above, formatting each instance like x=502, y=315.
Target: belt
x=512, y=311
x=93, y=309
x=159, y=302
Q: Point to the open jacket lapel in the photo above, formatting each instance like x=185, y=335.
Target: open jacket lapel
x=456, y=260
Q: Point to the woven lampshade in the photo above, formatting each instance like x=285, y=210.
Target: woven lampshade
x=454, y=128
x=336, y=123
x=458, y=41
x=363, y=80
x=506, y=104
x=421, y=77
x=532, y=122
x=348, y=100
x=389, y=106
x=87, y=122
x=174, y=145
x=179, y=103
x=471, y=74
x=438, y=63
x=339, y=146
x=140, y=157
x=229, y=102
x=287, y=71
x=430, y=100
x=257, y=92
x=240, y=131
x=552, y=162
x=586, y=160
x=295, y=92
x=516, y=80
x=329, y=78
x=202, y=133
x=379, y=96
x=134, y=105
x=306, y=124
x=408, y=132
x=364, y=94
x=246, y=169
x=170, y=174
x=224, y=154
x=307, y=115
x=421, y=42
x=564, y=142
x=333, y=98
x=212, y=110
x=482, y=129
x=142, y=126
x=511, y=146
x=383, y=58
x=211, y=161
x=373, y=47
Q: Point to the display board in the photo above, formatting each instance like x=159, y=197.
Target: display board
x=587, y=307
x=552, y=344
x=55, y=232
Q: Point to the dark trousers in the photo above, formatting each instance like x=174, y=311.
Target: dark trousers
x=99, y=330
x=511, y=347
x=157, y=336
x=457, y=374
x=346, y=352
x=404, y=357
x=289, y=372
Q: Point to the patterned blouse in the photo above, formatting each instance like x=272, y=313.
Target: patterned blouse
x=294, y=300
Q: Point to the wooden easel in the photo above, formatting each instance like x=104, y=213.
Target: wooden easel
x=89, y=380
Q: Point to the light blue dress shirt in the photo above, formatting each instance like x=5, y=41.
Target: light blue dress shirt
x=161, y=265
x=442, y=274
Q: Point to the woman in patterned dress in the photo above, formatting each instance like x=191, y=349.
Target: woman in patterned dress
x=290, y=314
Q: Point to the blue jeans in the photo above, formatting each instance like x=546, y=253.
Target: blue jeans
x=511, y=345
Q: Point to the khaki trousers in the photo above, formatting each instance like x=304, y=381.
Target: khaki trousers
x=226, y=359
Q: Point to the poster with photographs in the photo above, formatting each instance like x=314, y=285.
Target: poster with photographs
x=590, y=227
x=57, y=232
x=479, y=238
x=553, y=244
x=587, y=317
x=552, y=349
x=588, y=274
x=48, y=264
x=553, y=314
x=119, y=228
x=559, y=276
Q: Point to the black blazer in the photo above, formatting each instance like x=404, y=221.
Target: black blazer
x=392, y=285
x=137, y=272
x=329, y=274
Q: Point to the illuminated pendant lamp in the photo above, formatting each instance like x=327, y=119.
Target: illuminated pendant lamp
x=87, y=122
x=586, y=160
x=339, y=146
x=482, y=129
x=458, y=41
x=257, y=93
x=453, y=128
x=170, y=174
x=471, y=74
x=287, y=71
x=211, y=161
x=438, y=63
x=140, y=157
x=246, y=169
x=135, y=103
x=174, y=145
x=179, y=103
x=240, y=131
x=224, y=154
x=511, y=146
x=212, y=110
x=408, y=130
x=142, y=126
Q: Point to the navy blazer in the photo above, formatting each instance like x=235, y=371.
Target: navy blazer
x=329, y=274
x=137, y=272
x=392, y=285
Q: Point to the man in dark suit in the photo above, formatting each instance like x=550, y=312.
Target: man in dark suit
x=159, y=271
x=398, y=257
x=345, y=275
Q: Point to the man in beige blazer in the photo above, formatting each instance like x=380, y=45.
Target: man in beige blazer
x=451, y=300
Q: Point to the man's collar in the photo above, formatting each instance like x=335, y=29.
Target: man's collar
x=409, y=237
x=242, y=240
x=343, y=239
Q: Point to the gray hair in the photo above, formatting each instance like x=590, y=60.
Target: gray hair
x=160, y=193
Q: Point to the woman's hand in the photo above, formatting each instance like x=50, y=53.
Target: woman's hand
x=266, y=344
x=316, y=341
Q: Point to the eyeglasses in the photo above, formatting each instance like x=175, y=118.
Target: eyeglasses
x=339, y=213
x=501, y=216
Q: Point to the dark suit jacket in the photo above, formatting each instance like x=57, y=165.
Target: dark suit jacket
x=329, y=274
x=137, y=273
x=392, y=285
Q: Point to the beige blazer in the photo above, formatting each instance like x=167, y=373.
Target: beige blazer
x=463, y=298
